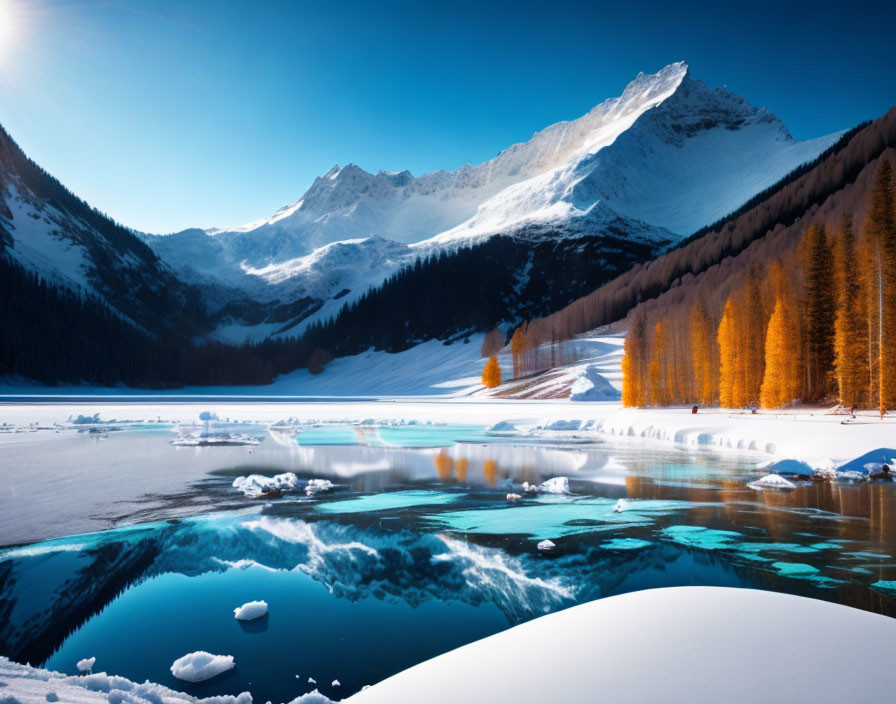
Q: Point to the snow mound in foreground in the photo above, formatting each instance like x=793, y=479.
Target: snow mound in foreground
x=689, y=661
x=312, y=697
x=591, y=385
x=201, y=666
x=32, y=685
x=256, y=485
x=250, y=610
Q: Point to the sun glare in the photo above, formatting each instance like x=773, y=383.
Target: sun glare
x=8, y=25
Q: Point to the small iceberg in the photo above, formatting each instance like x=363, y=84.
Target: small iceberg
x=257, y=485
x=201, y=666
x=547, y=546
x=772, y=481
x=563, y=425
x=513, y=498
x=316, y=486
x=591, y=385
x=86, y=665
x=250, y=610
x=620, y=506
x=556, y=485
x=502, y=427
x=335, y=683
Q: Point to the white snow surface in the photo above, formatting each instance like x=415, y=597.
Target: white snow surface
x=250, y=610
x=31, y=685
x=694, y=643
x=591, y=385
x=200, y=666
x=555, y=485
x=255, y=485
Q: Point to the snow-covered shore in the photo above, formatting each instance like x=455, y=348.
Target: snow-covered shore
x=687, y=644
x=808, y=434
x=694, y=644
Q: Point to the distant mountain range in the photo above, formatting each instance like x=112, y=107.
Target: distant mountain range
x=575, y=206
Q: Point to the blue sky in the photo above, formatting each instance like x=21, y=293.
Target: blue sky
x=198, y=113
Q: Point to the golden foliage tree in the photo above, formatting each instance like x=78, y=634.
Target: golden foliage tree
x=634, y=383
x=781, y=382
x=491, y=374
x=702, y=347
x=727, y=340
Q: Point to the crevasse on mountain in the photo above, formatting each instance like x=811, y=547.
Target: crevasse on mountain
x=665, y=158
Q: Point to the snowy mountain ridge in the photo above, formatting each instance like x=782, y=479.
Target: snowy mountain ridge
x=665, y=158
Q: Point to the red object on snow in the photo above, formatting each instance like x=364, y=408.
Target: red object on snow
x=694, y=409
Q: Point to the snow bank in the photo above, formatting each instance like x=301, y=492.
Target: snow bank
x=591, y=385
x=772, y=481
x=201, y=666
x=556, y=485
x=250, y=610
x=869, y=462
x=256, y=485
x=312, y=697
x=32, y=685
x=501, y=427
x=86, y=665
x=685, y=655
x=788, y=467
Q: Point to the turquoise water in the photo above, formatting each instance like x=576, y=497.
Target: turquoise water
x=389, y=501
x=414, y=552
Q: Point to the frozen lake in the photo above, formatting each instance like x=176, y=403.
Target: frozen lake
x=122, y=546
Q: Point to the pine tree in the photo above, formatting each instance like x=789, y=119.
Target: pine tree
x=818, y=312
x=727, y=354
x=781, y=381
x=850, y=352
x=702, y=344
x=660, y=371
x=491, y=374
x=880, y=236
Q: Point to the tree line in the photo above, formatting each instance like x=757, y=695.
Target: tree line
x=815, y=326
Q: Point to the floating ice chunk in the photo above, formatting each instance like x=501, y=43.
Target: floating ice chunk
x=556, y=485
x=620, y=506
x=547, y=546
x=86, y=665
x=501, y=427
x=591, y=385
x=311, y=680
x=250, y=610
x=256, y=485
x=201, y=666
x=335, y=683
x=772, y=481
x=316, y=486
x=625, y=544
x=514, y=497
x=563, y=425
x=529, y=488
x=886, y=586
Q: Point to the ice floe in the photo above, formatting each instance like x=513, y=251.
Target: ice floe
x=200, y=666
x=257, y=485
x=555, y=485
x=547, y=546
x=250, y=610
x=772, y=481
x=318, y=486
x=86, y=665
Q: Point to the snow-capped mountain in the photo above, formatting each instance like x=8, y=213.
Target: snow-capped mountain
x=666, y=157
